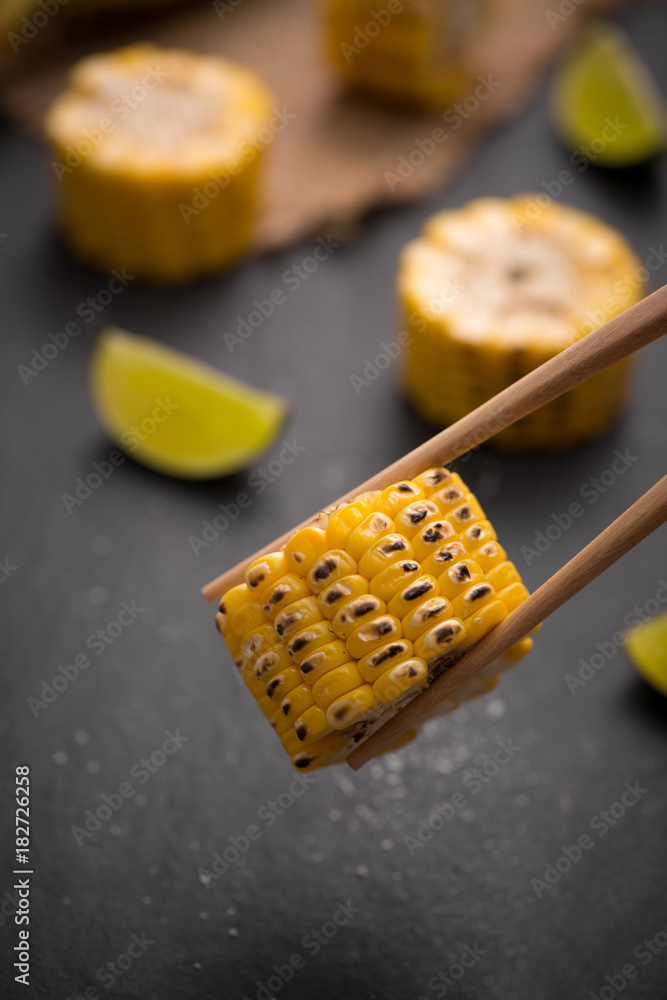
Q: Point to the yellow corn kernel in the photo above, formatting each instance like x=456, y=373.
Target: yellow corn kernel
x=443, y=558
x=449, y=498
x=477, y=534
x=440, y=639
x=297, y=701
x=282, y=683
x=351, y=707
x=482, y=621
x=319, y=753
x=369, y=497
x=503, y=575
x=222, y=624
x=270, y=663
x=383, y=552
x=488, y=556
x=343, y=522
x=337, y=682
x=267, y=706
x=459, y=577
x=265, y=570
x=309, y=639
x=365, y=639
x=428, y=614
x=432, y=537
x=356, y=612
x=332, y=566
x=334, y=596
x=517, y=652
x=279, y=721
x=278, y=595
x=410, y=597
x=375, y=526
x=433, y=480
x=395, y=682
x=384, y=658
x=235, y=599
x=255, y=686
x=258, y=642
x=312, y=725
x=471, y=600
x=394, y=578
x=323, y=660
x=414, y=518
x=248, y=619
x=234, y=646
x=513, y=596
x=290, y=741
x=393, y=499
x=296, y=616
x=465, y=514
x=304, y=548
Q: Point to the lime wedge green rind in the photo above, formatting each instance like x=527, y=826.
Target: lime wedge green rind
x=646, y=646
x=601, y=81
x=176, y=414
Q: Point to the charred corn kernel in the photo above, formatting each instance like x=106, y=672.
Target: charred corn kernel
x=258, y=642
x=319, y=753
x=305, y=642
x=290, y=741
x=415, y=54
x=469, y=512
x=128, y=201
x=234, y=600
x=432, y=537
x=488, y=556
x=395, y=682
x=533, y=280
x=264, y=571
x=477, y=535
x=297, y=701
x=304, y=548
x=482, y=620
x=389, y=549
x=351, y=707
x=513, y=596
x=284, y=591
x=334, y=596
x=470, y=601
x=282, y=683
x=457, y=578
x=312, y=725
x=394, y=578
x=502, y=575
x=449, y=497
x=416, y=516
x=253, y=684
x=375, y=526
x=394, y=499
x=414, y=594
x=434, y=480
x=248, y=619
x=444, y=558
x=356, y=612
x=332, y=566
x=380, y=660
x=343, y=522
x=337, y=682
x=297, y=616
x=440, y=639
x=424, y=617
x=270, y=663
x=366, y=638
x=323, y=660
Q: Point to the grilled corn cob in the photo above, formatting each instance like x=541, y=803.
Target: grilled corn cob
x=412, y=53
x=361, y=610
x=496, y=288
x=156, y=153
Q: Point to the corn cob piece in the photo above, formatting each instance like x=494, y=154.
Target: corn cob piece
x=493, y=290
x=157, y=152
x=414, y=53
x=384, y=594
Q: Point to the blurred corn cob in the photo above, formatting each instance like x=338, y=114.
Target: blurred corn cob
x=361, y=610
x=156, y=153
x=496, y=288
x=414, y=52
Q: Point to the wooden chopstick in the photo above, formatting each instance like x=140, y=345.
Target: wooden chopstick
x=621, y=336
x=647, y=514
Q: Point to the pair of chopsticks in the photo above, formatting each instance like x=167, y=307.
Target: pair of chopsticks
x=638, y=326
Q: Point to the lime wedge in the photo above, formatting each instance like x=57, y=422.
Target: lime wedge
x=646, y=645
x=177, y=414
x=605, y=103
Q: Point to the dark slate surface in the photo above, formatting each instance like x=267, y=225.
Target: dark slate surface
x=405, y=917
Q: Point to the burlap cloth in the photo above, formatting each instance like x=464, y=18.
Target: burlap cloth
x=341, y=154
